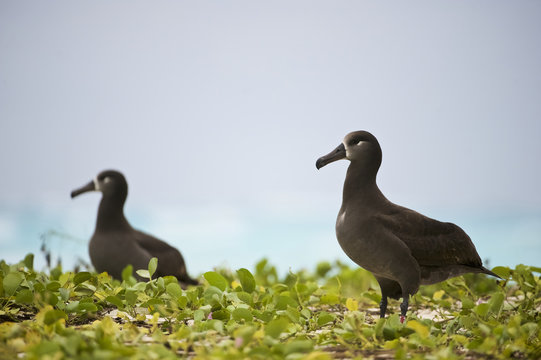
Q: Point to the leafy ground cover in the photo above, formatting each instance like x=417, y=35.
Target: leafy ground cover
x=327, y=313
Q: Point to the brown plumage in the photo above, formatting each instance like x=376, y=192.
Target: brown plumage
x=116, y=244
x=401, y=247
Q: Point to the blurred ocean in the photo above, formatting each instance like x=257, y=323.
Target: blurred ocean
x=223, y=236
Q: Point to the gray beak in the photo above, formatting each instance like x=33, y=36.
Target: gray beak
x=88, y=187
x=336, y=154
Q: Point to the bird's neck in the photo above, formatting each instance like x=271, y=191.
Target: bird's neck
x=360, y=186
x=111, y=214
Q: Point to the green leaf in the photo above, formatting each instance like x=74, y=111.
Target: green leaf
x=56, y=272
x=419, y=328
x=242, y=314
x=63, y=279
x=298, y=346
x=152, y=266
x=375, y=297
x=306, y=313
x=81, y=277
x=87, y=307
x=45, y=348
x=216, y=280
x=467, y=303
x=72, y=306
x=503, y=271
x=127, y=273
x=24, y=296
x=325, y=318
x=53, y=286
x=482, y=309
x=29, y=261
x=131, y=297
x=215, y=325
x=264, y=316
x=352, y=304
x=115, y=300
x=52, y=316
x=38, y=287
x=243, y=335
x=282, y=302
x=160, y=284
x=468, y=321
x=174, y=290
x=199, y=315
x=275, y=327
x=143, y=273
x=153, y=302
x=496, y=302
x=222, y=314
x=438, y=295
x=213, y=295
x=64, y=294
x=11, y=282
x=245, y=297
x=330, y=299
x=293, y=314
x=182, y=301
x=323, y=268
x=282, y=317
x=246, y=280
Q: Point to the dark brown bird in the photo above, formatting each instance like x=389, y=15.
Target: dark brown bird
x=401, y=247
x=115, y=244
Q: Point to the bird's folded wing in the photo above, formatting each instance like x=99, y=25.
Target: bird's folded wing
x=431, y=242
x=152, y=244
x=170, y=261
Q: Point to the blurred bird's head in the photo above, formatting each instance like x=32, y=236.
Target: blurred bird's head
x=108, y=182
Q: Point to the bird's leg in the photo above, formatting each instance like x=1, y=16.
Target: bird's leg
x=404, y=308
x=383, y=306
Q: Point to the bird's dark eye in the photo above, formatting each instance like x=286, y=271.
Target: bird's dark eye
x=354, y=142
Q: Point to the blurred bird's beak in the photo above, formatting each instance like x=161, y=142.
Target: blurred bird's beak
x=88, y=187
x=337, y=154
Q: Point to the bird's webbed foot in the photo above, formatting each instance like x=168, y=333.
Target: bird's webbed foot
x=404, y=309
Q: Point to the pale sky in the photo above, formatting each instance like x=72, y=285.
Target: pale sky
x=215, y=110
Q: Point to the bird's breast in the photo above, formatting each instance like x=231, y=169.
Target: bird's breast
x=350, y=235
x=361, y=238
x=340, y=220
x=350, y=224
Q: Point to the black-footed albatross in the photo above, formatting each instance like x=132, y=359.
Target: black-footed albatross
x=115, y=244
x=401, y=247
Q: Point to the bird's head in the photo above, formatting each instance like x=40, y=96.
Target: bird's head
x=109, y=182
x=358, y=147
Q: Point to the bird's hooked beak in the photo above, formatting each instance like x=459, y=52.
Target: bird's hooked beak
x=91, y=186
x=337, y=154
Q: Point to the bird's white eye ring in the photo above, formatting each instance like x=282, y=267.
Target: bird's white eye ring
x=106, y=179
x=360, y=142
